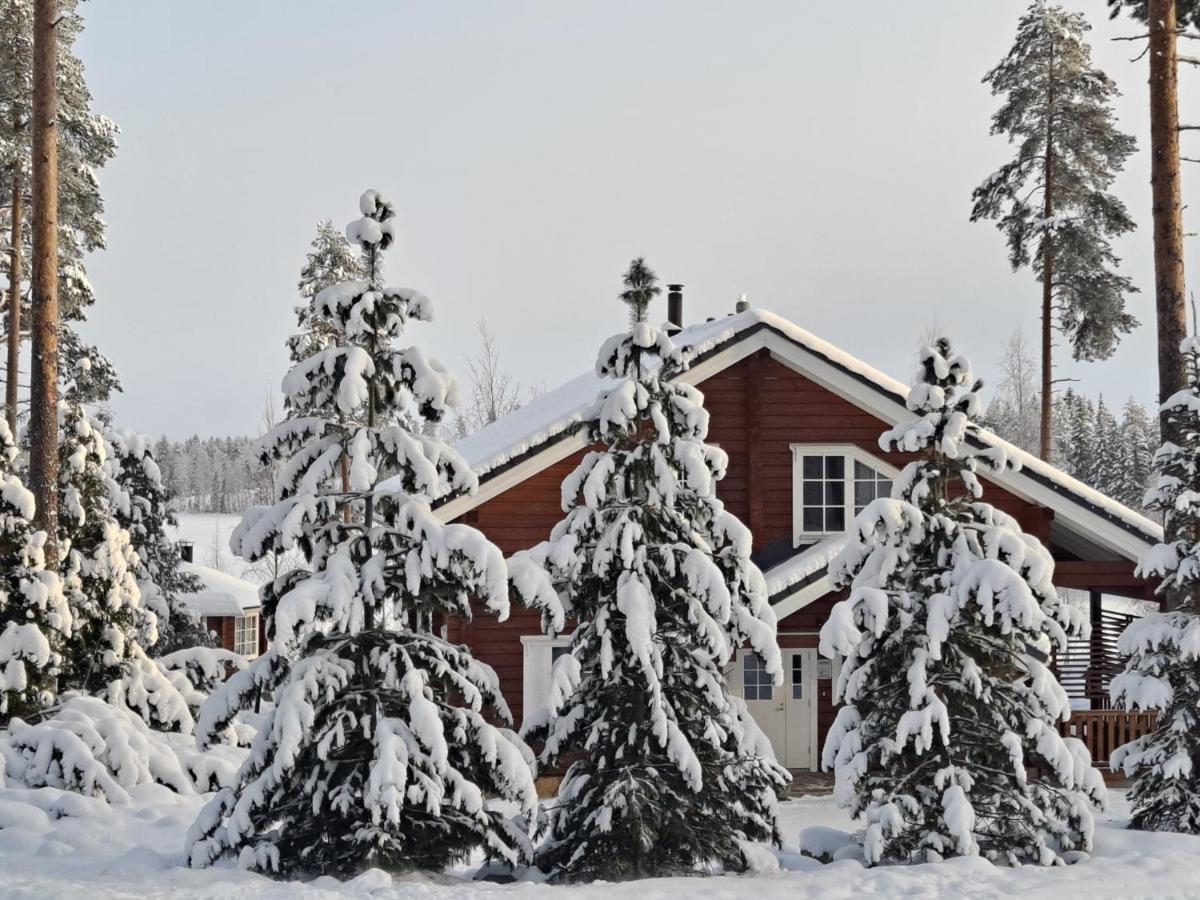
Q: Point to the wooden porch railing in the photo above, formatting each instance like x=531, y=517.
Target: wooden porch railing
x=1104, y=730
x=1086, y=667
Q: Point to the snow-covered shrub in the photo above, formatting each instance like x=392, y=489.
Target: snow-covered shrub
x=377, y=749
x=99, y=750
x=948, y=743
x=1163, y=671
x=670, y=774
x=203, y=669
x=146, y=689
x=35, y=619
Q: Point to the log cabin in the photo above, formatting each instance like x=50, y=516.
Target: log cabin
x=800, y=420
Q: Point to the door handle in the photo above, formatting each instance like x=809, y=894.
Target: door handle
x=779, y=708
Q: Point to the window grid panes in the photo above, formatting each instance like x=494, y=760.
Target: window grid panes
x=868, y=485
x=245, y=635
x=797, y=676
x=824, y=493
x=835, y=487
x=756, y=681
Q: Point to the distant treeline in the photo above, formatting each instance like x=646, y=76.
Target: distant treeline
x=215, y=474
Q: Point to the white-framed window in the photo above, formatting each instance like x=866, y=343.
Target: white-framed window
x=245, y=635
x=832, y=483
x=539, y=653
x=757, y=683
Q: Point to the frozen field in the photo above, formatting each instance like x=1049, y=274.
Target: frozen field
x=209, y=533
x=96, y=851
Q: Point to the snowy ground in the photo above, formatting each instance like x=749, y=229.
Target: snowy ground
x=101, y=852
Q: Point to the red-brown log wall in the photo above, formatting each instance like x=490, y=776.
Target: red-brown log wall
x=759, y=408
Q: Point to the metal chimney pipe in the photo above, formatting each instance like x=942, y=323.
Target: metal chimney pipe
x=674, y=307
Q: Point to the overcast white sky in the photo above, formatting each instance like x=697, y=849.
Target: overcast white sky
x=819, y=156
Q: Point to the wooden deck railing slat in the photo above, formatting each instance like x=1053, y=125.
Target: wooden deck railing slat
x=1104, y=730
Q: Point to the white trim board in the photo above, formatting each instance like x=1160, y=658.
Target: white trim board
x=537, y=656
x=801, y=598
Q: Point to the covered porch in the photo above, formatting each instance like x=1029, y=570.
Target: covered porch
x=1114, y=597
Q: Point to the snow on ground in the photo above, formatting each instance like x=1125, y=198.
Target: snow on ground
x=101, y=851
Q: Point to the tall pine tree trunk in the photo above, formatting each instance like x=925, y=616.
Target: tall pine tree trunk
x=1045, y=439
x=1168, y=216
x=43, y=420
x=15, y=274
x=1168, y=209
x=1045, y=436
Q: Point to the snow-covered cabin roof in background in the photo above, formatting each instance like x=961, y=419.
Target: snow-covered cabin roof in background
x=548, y=429
x=221, y=595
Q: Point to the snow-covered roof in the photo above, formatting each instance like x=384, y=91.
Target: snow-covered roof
x=561, y=410
x=541, y=423
x=798, y=570
x=221, y=595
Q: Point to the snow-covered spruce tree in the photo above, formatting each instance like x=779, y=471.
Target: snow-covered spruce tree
x=674, y=775
x=1110, y=452
x=376, y=750
x=947, y=743
x=1052, y=200
x=1081, y=453
x=35, y=619
x=110, y=623
x=331, y=260
x=1139, y=438
x=1163, y=670
x=143, y=508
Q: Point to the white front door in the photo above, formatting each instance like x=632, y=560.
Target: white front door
x=800, y=683
x=786, y=713
x=764, y=699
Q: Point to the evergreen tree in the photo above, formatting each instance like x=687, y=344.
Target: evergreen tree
x=86, y=142
x=1109, y=448
x=395, y=763
x=1052, y=201
x=35, y=619
x=1187, y=12
x=1138, y=437
x=674, y=774
x=83, y=370
x=948, y=742
x=331, y=260
x=1080, y=456
x=144, y=511
x=110, y=623
x=1163, y=669
x=98, y=559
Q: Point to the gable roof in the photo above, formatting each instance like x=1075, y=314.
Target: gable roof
x=551, y=427
x=220, y=594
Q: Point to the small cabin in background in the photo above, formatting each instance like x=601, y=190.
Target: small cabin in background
x=229, y=606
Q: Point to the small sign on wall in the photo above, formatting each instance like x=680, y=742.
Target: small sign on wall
x=824, y=669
